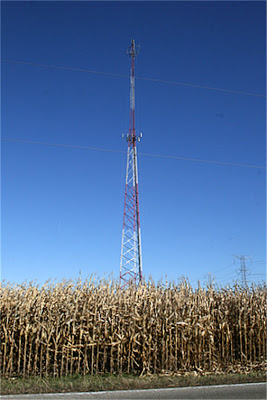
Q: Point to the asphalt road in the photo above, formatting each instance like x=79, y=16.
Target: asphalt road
x=242, y=391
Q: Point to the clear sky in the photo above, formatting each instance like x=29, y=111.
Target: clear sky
x=62, y=207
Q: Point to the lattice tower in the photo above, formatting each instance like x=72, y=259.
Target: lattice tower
x=131, y=256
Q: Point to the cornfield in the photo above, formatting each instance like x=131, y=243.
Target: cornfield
x=93, y=327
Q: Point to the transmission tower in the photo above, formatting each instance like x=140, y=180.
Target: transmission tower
x=243, y=269
x=131, y=257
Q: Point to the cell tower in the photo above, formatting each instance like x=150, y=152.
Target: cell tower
x=131, y=257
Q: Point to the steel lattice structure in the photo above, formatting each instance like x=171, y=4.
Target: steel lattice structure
x=131, y=257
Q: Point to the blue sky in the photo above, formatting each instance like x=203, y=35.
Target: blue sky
x=62, y=207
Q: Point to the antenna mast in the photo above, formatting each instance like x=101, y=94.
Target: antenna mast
x=131, y=257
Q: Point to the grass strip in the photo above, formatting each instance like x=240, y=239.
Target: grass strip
x=91, y=383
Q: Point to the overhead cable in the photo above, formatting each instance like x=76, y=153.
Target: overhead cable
x=141, y=154
x=137, y=77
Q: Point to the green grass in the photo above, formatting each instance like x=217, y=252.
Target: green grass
x=79, y=383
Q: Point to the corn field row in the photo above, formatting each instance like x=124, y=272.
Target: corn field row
x=93, y=327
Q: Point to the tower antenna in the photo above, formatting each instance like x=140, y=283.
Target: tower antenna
x=131, y=256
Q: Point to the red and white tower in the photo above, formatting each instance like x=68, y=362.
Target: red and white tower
x=131, y=257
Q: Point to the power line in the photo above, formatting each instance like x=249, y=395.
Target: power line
x=227, y=282
x=65, y=68
x=62, y=145
x=225, y=276
x=203, y=161
x=202, y=87
x=141, y=154
x=222, y=275
x=223, y=269
x=137, y=77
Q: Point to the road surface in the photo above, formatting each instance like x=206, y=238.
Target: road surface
x=239, y=391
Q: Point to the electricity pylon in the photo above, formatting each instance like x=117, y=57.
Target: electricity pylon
x=131, y=257
x=243, y=269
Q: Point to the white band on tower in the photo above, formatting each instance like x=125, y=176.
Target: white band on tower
x=132, y=94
